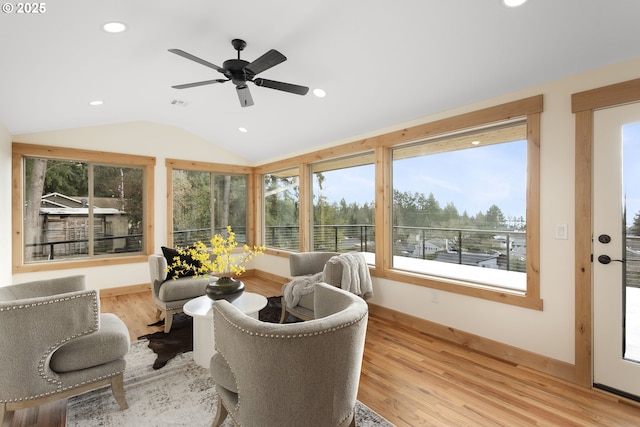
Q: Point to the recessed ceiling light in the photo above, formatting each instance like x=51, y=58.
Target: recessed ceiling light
x=514, y=3
x=243, y=130
x=96, y=103
x=114, y=27
x=476, y=142
x=320, y=93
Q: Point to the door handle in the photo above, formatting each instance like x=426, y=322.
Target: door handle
x=606, y=259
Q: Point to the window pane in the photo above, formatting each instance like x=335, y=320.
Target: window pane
x=343, y=205
x=281, y=210
x=56, y=209
x=230, y=204
x=459, y=207
x=204, y=203
x=117, y=209
x=63, y=219
x=191, y=206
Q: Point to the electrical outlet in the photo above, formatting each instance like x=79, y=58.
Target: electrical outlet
x=435, y=296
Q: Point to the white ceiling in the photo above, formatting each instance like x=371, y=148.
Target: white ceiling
x=381, y=62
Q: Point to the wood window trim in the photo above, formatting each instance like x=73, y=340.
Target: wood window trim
x=531, y=108
x=583, y=105
x=219, y=168
x=21, y=150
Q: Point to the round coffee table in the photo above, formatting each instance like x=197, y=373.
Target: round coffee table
x=201, y=309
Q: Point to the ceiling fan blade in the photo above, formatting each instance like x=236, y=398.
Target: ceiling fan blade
x=286, y=87
x=244, y=96
x=266, y=61
x=206, y=82
x=196, y=59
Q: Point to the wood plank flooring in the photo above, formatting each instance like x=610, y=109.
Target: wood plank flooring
x=413, y=379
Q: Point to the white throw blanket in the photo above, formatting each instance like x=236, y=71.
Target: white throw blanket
x=355, y=274
x=355, y=279
x=299, y=286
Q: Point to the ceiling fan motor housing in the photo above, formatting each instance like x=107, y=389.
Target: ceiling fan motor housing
x=235, y=71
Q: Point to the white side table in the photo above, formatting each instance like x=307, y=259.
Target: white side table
x=203, y=333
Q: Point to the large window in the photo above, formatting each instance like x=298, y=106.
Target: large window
x=78, y=205
x=281, y=192
x=205, y=203
x=205, y=198
x=343, y=205
x=450, y=205
x=459, y=206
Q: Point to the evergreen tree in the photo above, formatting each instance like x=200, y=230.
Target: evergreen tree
x=494, y=218
x=634, y=230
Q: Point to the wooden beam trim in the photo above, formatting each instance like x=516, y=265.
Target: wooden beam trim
x=606, y=96
x=305, y=206
x=583, y=265
x=209, y=167
x=64, y=153
x=533, y=206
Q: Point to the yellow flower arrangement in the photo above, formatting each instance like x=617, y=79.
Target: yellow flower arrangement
x=220, y=258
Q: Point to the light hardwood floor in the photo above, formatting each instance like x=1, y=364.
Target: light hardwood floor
x=413, y=379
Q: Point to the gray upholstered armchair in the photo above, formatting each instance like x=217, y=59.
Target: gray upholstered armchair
x=55, y=343
x=308, y=264
x=348, y=271
x=171, y=295
x=304, y=373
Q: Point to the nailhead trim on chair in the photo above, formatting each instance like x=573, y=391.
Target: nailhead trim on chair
x=43, y=361
x=289, y=336
x=232, y=413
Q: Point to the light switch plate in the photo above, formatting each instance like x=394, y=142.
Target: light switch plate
x=561, y=231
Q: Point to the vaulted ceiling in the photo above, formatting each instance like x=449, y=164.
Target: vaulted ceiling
x=380, y=62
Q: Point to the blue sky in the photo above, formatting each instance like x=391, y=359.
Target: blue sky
x=498, y=176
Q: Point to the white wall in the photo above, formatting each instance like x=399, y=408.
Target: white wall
x=139, y=138
x=549, y=332
x=5, y=205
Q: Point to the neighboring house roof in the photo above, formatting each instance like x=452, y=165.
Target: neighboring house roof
x=59, y=204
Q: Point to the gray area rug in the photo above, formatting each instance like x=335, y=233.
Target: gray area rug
x=180, y=394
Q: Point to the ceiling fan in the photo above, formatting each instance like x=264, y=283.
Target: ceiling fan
x=240, y=72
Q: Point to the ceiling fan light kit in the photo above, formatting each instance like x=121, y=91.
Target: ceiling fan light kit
x=239, y=72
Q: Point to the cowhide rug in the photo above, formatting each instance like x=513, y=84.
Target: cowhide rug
x=180, y=338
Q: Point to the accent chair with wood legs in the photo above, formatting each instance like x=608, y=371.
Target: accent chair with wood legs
x=171, y=295
x=305, y=373
x=55, y=343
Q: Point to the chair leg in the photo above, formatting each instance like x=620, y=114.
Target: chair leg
x=117, y=388
x=221, y=414
x=6, y=417
x=168, y=320
x=283, y=315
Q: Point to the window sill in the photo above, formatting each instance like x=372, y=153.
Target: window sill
x=474, y=290
x=84, y=263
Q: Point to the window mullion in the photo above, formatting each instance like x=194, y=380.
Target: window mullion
x=90, y=204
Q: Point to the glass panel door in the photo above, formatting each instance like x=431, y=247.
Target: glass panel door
x=616, y=249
